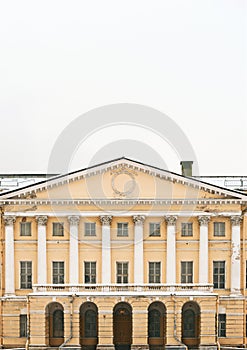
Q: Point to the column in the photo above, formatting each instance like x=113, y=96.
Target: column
x=106, y=249
x=235, y=260
x=203, y=249
x=171, y=249
x=138, y=248
x=9, y=255
x=41, y=222
x=73, y=250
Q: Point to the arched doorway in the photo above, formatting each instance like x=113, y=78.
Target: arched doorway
x=55, y=324
x=122, y=326
x=156, y=325
x=88, y=326
x=191, y=324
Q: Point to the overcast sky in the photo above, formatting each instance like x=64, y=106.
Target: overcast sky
x=60, y=59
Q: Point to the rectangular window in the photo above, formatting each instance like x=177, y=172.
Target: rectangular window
x=90, y=271
x=25, y=228
x=186, y=229
x=219, y=229
x=154, y=229
x=90, y=229
x=57, y=228
x=186, y=271
x=219, y=274
x=122, y=272
x=122, y=229
x=154, y=272
x=23, y=325
x=222, y=325
x=58, y=272
x=26, y=274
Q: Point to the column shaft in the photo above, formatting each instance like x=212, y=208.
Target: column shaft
x=106, y=249
x=138, y=249
x=171, y=250
x=203, y=249
x=235, y=260
x=9, y=255
x=73, y=250
x=42, y=268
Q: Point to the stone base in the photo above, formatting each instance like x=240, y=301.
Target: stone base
x=208, y=347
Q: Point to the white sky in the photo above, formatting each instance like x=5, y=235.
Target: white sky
x=60, y=59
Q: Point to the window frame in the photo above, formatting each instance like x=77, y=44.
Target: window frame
x=122, y=229
x=23, y=225
x=156, y=276
x=124, y=277
x=186, y=229
x=23, y=326
x=186, y=272
x=217, y=229
x=90, y=231
x=58, y=274
x=91, y=275
x=26, y=275
x=218, y=284
x=60, y=225
x=155, y=231
x=222, y=325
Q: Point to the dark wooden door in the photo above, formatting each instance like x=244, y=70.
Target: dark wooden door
x=122, y=327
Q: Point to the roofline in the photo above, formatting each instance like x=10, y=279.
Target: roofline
x=130, y=160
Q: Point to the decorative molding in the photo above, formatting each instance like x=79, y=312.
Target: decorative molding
x=203, y=220
x=138, y=219
x=9, y=220
x=74, y=219
x=41, y=220
x=171, y=220
x=123, y=170
x=236, y=220
x=105, y=219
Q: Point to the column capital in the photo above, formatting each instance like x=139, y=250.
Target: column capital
x=236, y=220
x=74, y=220
x=41, y=220
x=171, y=220
x=203, y=220
x=9, y=220
x=138, y=219
x=105, y=219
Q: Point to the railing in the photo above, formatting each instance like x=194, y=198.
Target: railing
x=112, y=288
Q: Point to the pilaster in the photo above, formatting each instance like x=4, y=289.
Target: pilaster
x=203, y=249
x=42, y=268
x=9, y=255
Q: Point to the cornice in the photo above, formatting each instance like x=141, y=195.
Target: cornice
x=118, y=201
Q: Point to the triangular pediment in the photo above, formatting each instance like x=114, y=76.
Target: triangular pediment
x=122, y=179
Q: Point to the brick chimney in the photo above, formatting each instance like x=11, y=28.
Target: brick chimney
x=186, y=167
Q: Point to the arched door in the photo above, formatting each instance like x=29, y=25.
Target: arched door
x=156, y=325
x=122, y=326
x=88, y=326
x=55, y=324
x=191, y=324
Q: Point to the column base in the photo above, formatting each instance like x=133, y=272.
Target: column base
x=175, y=347
x=207, y=347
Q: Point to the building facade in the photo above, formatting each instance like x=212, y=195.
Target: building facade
x=123, y=255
